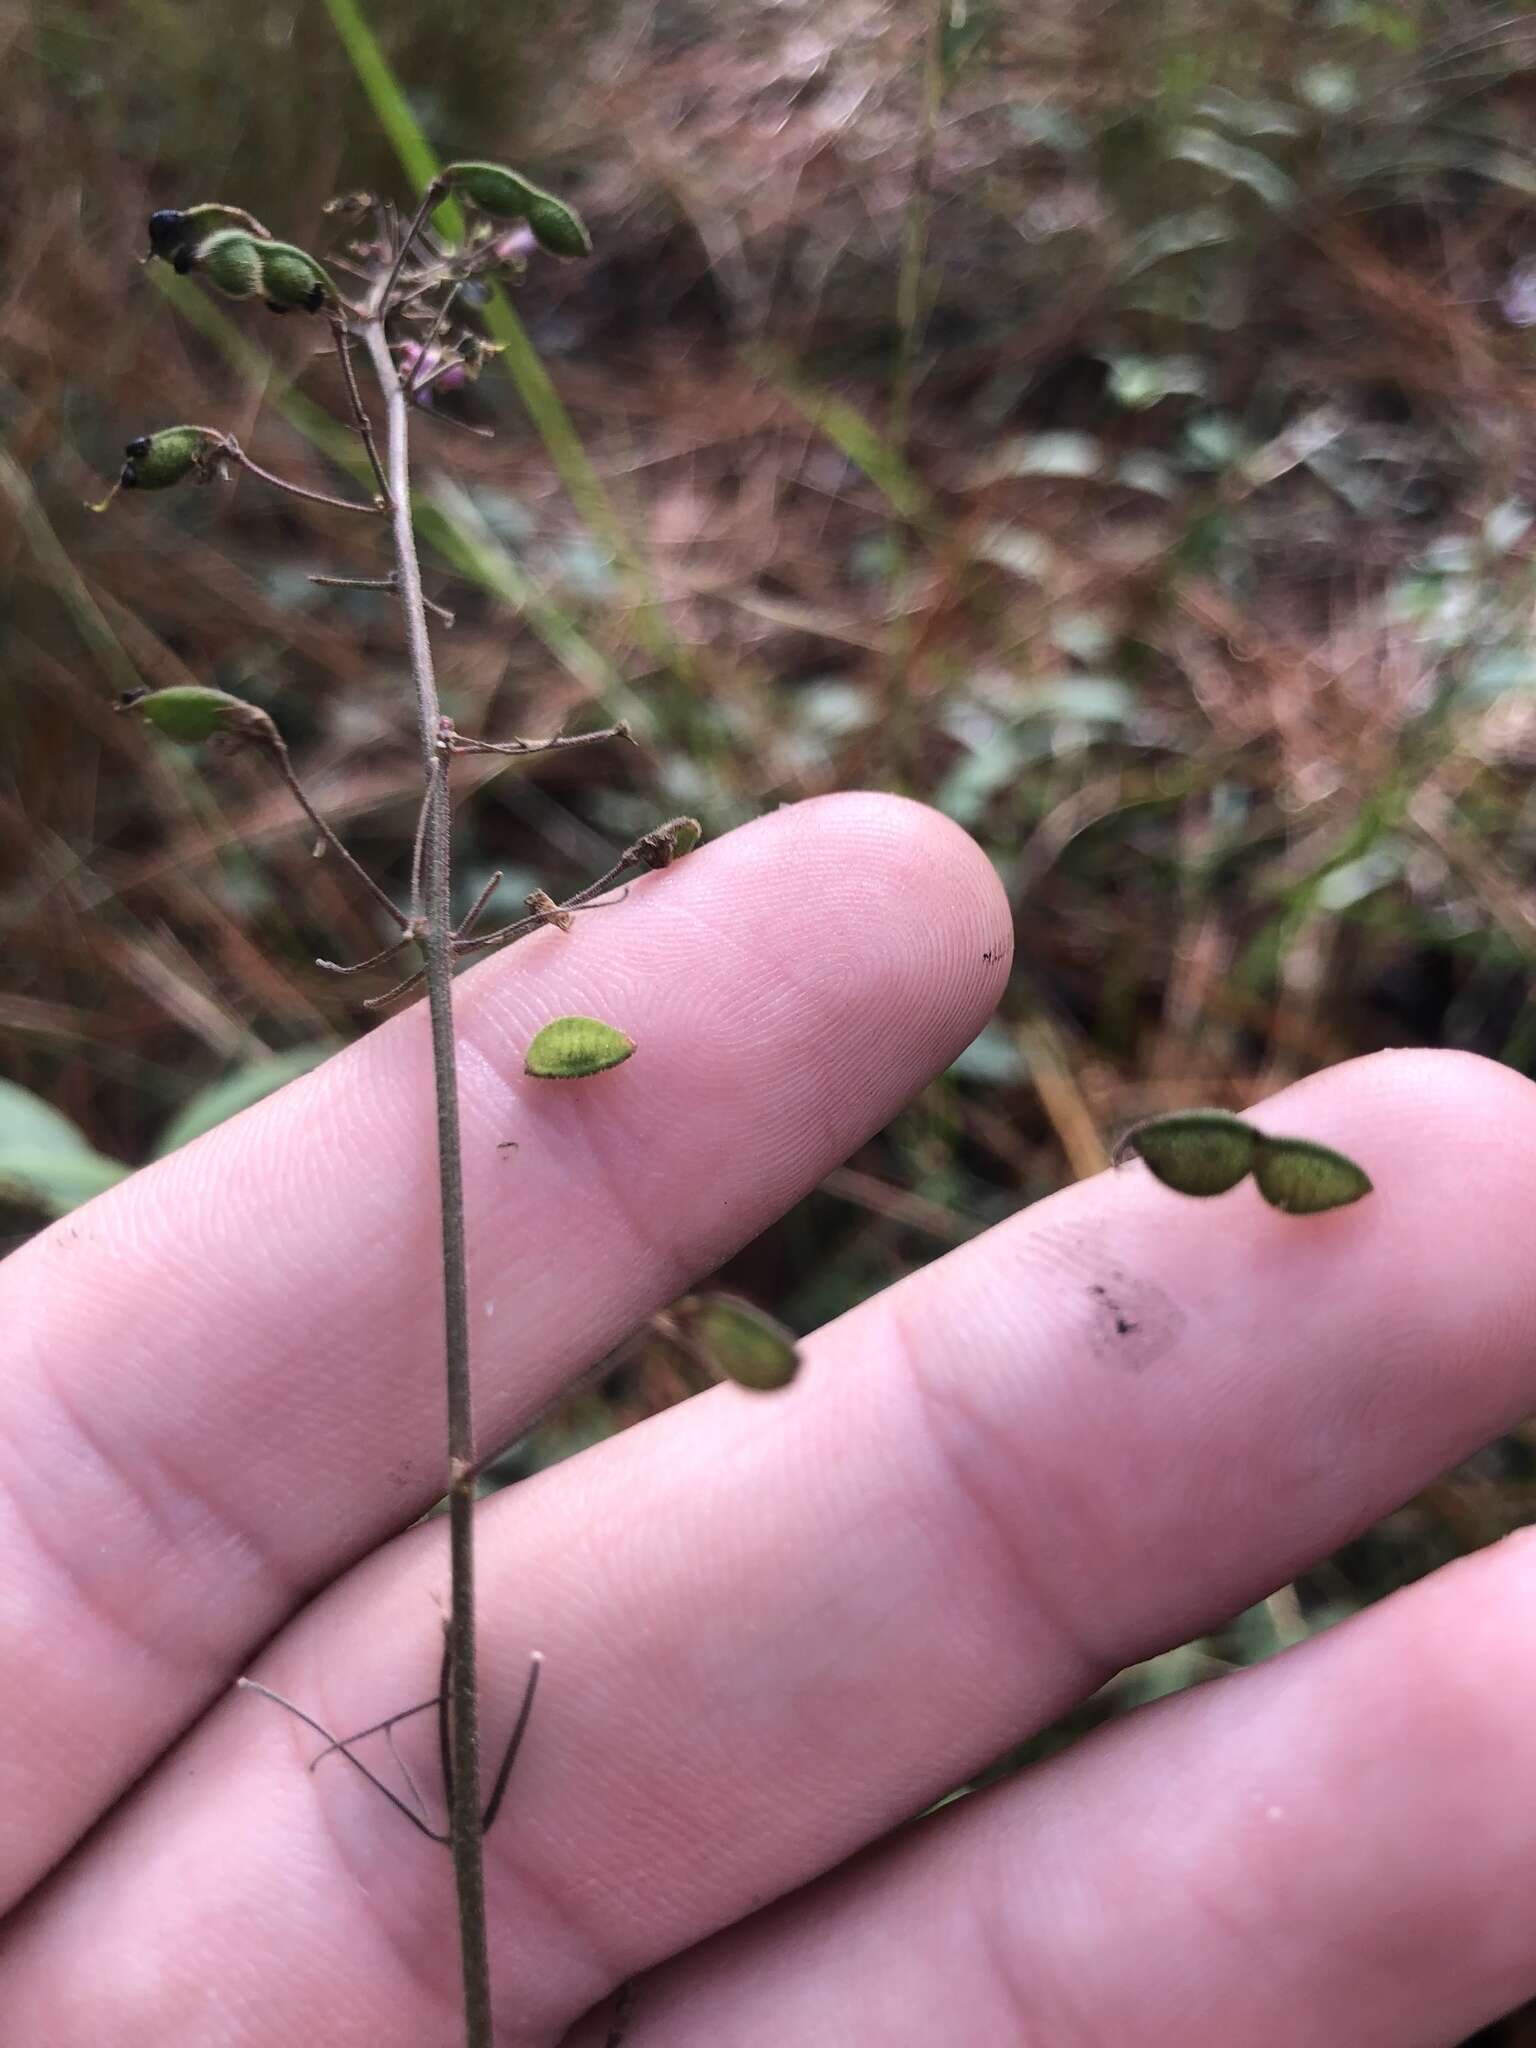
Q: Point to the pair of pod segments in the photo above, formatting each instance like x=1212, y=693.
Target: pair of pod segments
x=1208, y=1151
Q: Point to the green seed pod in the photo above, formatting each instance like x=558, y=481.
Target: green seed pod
x=739, y=1341
x=508, y=195
x=230, y=260
x=558, y=229
x=174, y=234
x=1305, y=1179
x=292, y=280
x=189, y=713
x=1197, y=1151
x=156, y=461
x=573, y=1047
x=666, y=844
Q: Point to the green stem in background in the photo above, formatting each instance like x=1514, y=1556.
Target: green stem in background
x=582, y=482
x=466, y=1828
x=909, y=317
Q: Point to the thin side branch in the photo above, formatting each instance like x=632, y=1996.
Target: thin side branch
x=236, y=454
x=385, y=901
x=359, y=411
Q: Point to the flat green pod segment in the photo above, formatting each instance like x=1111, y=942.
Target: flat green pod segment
x=229, y=260
x=245, y=267
x=190, y=713
x=291, y=279
x=742, y=1343
x=1305, y=1179
x=1197, y=1151
x=571, y=1048
x=508, y=195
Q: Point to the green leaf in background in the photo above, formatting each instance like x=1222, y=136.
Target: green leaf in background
x=1305, y=1179
x=238, y=1091
x=1237, y=164
x=46, y=1162
x=520, y=358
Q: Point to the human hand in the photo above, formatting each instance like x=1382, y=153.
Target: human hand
x=775, y=1627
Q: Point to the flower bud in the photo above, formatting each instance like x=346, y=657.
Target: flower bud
x=508, y=195
x=190, y=713
x=573, y=1047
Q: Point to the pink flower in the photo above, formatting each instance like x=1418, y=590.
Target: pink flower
x=418, y=363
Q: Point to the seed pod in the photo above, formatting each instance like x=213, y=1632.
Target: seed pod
x=1197, y=1151
x=540, y=904
x=156, y=461
x=1305, y=1179
x=190, y=713
x=508, y=195
x=174, y=234
x=292, y=280
x=243, y=266
x=666, y=844
x=739, y=1342
x=573, y=1047
x=229, y=260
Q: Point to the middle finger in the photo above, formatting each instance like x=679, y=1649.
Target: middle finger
x=773, y=1631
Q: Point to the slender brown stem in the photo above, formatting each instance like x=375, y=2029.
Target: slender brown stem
x=382, y=300
x=340, y=1745
x=359, y=410
x=374, y=959
x=380, y=896
x=458, y=744
x=438, y=611
x=448, y=419
x=471, y=916
x=237, y=454
x=433, y=331
x=465, y=1824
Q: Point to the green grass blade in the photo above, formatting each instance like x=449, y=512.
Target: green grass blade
x=529, y=376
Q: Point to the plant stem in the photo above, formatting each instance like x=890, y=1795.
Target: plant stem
x=231, y=447
x=386, y=902
x=465, y=1826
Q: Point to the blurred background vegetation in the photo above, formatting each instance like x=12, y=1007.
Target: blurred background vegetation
x=1109, y=423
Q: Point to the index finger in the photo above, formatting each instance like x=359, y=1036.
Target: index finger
x=223, y=1380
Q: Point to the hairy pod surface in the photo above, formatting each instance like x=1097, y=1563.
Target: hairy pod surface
x=1197, y=1151
x=1305, y=1179
x=156, y=461
x=508, y=195
x=572, y=1047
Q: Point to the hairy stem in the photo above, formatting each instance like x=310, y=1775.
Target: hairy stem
x=465, y=1825
x=231, y=448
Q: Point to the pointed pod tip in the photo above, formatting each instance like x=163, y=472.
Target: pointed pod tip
x=1302, y=1178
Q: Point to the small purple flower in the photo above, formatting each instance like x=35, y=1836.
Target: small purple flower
x=418, y=363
